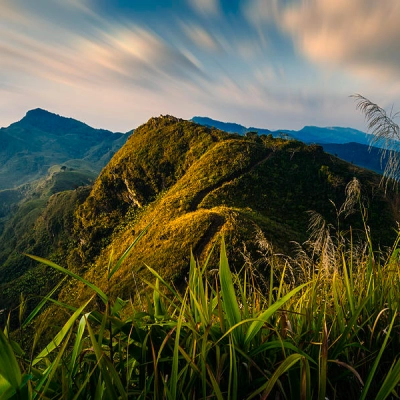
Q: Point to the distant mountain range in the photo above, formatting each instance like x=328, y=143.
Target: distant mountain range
x=308, y=134
x=41, y=139
x=348, y=144
x=228, y=126
x=42, y=155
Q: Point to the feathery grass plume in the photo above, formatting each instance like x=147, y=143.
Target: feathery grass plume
x=304, y=265
x=274, y=260
x=320, y=240
x=386, y=136
x=353, y=197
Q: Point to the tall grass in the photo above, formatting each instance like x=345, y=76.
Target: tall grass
x=332, y=332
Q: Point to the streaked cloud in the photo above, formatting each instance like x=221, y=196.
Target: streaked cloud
x=262, y=11
x=271, y=63
x=360, y=35
x=206, y=7
x=95, y=56
x=201, y=37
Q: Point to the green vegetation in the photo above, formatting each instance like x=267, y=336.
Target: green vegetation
x=43, y=154
x=196, y=184
x=173, y=319
x=321, y=325
x=41, y=226
x=42, y=139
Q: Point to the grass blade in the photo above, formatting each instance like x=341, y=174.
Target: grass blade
x=127, y=252
x=41, y=304
x=61, y=334
x=376, y=362
x=391, y=381
x=284, y=367
x=9, y=368
x=323, y=365
x=175, y=359
x=102, y=295
x=257, y=325
x=229, y=300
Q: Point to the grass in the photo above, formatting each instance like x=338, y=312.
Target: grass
x=322, y=325
x=196, y=184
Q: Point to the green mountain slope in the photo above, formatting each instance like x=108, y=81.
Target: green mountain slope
x=41, y=226
x=41, y=155
x=43, y=143
x=191, y=184
x=41, y=139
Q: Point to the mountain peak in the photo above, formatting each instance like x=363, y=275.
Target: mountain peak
x=38, y=112
x=162, y=120
x=44, y=120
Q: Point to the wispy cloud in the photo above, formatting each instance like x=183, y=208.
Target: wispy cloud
x=262, y=11
x=206, y=7
x=93, y=56
x=201, y=37
x=360, y=35
x=264, y=60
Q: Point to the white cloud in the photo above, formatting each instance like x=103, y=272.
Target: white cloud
x=116, y=73
x=100, y=54
x=76, y=62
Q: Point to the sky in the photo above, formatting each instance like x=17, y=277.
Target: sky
x=276, y=64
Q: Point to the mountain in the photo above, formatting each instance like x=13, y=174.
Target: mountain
x=308, y=134
x=228, y=126
x=42, y=139
x=187, y=185
x=349, y=144
x=314, y=134
x=43, y=155
x=42, y=144
x=359, y=154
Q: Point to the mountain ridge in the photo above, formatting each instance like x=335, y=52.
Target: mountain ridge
x=352, y=145
x=189, y=184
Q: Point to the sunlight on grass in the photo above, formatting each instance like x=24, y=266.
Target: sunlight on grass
x=332, y=332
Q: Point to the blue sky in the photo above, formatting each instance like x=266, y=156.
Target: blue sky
x=264, y=63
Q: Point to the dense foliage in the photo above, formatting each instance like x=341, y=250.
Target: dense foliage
x=41, y=155
x=196, y=183
x=321, y=325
